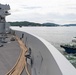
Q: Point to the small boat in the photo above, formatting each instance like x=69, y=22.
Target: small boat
x=69, y=48
x=74, y=39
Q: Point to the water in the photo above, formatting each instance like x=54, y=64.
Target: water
x=56, y=36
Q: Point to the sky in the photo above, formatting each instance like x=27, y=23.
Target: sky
x=42, y=11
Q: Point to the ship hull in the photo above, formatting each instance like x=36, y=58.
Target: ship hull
x=46, y=59
x=69, y=49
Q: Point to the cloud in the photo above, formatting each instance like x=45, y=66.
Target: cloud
x=58, y=11
x=30, y=7
x=42, y=18
x=72, y=7
x=15, y=10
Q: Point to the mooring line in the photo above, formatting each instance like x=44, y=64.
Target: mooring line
x=21, y=62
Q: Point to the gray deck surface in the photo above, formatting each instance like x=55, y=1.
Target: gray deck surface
x=24, y=71
x=9, y=54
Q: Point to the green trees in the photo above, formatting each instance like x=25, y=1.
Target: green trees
x=26, y=23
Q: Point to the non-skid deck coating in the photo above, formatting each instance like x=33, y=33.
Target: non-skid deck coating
x=21, y=63
x=9, y=54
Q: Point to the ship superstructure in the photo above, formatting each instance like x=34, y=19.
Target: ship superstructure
x=4, y=26
x=4, y=11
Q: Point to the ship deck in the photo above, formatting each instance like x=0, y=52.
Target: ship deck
x=10, y=55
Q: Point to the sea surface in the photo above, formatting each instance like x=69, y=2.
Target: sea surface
x=56, y=36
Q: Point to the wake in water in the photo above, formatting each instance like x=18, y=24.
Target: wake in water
x=72, y=59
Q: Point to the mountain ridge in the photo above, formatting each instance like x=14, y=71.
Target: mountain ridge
x=26, y=23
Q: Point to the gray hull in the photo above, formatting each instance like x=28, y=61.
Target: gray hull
x=47, y=60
